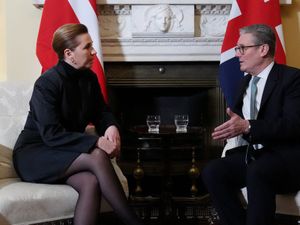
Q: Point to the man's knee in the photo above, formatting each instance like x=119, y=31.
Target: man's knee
x=256, y=172
x=212, y=172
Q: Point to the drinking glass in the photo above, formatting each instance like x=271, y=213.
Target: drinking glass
x=181, y=123
x=153, y=122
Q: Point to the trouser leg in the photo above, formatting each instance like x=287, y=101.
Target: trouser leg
x=223, y=178
x=265, y=177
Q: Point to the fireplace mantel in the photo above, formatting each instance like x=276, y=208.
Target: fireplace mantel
x=130, y=30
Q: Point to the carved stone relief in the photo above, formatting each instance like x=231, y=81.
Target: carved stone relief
x=163, y=20
x=124, y=21
x=212, y=19
x=169, y=32
x=114, y=21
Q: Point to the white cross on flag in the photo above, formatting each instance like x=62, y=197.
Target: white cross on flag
x=244, y=13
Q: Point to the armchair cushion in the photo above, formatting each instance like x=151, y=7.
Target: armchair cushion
x=6, y=166
x=23, y=203
x=288, y=204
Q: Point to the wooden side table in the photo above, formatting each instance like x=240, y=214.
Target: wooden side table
x=174, y=153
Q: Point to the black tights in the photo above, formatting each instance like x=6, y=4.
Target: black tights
x=92, y=175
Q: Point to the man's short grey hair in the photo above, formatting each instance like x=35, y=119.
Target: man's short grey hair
x=263, y=34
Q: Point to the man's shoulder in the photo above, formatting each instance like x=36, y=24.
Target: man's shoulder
x=287, y=69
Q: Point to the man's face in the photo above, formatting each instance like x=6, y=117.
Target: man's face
x=249, y=54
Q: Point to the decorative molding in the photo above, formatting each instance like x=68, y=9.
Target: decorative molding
x=213, y=9
x=39, y=3
x=111, y=10
x=185, y=30
x=194, y=32
x=177, y=2
x=163, y=20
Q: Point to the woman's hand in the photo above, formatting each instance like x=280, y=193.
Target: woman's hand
x=108, y=146
x=112, y=134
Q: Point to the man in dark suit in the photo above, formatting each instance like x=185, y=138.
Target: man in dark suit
x=263, y=133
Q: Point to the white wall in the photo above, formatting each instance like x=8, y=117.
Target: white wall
x=18, y=29
x=2, y=41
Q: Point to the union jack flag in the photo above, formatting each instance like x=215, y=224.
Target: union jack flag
x=244, y=13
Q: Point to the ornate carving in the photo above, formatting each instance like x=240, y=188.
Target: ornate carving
x=112, y=10
x=163, y=20
x=189, y=31
x=211, y=20
x=212, y=9
x=115, y=26
x=114, y=21
x=212, y=41
x=213, y=26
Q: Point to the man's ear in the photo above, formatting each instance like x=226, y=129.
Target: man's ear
x=265, y=49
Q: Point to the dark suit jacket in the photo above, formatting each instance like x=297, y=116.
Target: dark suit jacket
x=278, y=122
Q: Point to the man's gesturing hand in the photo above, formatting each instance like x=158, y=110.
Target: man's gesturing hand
x=233, y=127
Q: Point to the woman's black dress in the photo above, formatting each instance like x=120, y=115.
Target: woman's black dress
x=64, y=101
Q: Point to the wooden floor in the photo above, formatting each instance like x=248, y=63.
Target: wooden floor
x=112, y=219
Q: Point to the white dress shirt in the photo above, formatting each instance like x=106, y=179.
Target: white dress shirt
x=238, y=140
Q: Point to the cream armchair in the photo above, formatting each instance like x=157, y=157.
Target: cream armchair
x=23, y=203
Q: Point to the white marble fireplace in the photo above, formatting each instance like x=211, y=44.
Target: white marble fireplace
x=162, y=30
x=159, y=48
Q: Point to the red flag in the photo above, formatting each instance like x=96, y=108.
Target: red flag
x=59, y=12
x=244, y=13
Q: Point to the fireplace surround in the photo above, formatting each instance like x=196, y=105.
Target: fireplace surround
x=166, y=53
x=196, y=34
x=165, y=69
x=167, y=88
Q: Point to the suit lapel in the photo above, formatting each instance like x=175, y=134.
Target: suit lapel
x=270, y=85
x=239, y=99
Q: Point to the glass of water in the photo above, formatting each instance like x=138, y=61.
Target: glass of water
x=181, y=123
x=153, y=122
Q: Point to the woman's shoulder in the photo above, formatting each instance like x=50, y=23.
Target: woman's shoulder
x=49, y=79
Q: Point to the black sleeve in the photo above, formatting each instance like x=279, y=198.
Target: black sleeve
x=44, y=104
x=103, y=117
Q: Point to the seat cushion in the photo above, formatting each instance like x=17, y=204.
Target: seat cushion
x=6, y=166
x=26, y=203
x=23, y=203
x=288, y=204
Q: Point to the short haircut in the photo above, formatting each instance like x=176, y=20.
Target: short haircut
x=263, y=34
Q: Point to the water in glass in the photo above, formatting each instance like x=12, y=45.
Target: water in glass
x=153, y=122
x=181, y=123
